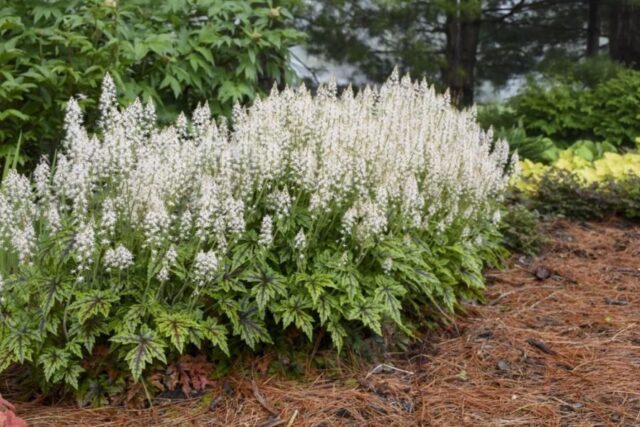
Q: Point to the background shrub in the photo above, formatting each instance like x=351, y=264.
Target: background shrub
x=594, y=100
x=561, y=191
x=566, y=111
x=175, y=52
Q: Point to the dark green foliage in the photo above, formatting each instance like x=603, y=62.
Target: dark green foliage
x=520, y=228
x=587, y=73
x=537, y=148
x=176, y=52
x=561, y=192
x=567, y=110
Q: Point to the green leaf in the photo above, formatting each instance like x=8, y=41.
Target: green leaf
x=326, y=306
x=251, y=328
x=21, y=340
x=215, y=333
x=93, y=303
x=53, y=360
x=348, y=282
x=337, y=333
x=386, y=295
x=88, y=331
x=145, y=347
x=368, y=312
x=293, y=310
x=176, y=327
x=267, y=284
x=160, y=43
x=315, y=284
x=71, y=375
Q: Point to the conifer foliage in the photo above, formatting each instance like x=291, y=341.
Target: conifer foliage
x=343, y=212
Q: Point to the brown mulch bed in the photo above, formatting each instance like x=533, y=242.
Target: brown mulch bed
x=557, y=343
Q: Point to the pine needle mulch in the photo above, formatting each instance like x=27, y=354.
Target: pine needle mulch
x=557, y=343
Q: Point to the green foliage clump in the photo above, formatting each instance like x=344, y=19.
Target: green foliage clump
x=176, y=52
x=537, y=148
x=566, y=111
x=342, y=213
x=520, y=228
x=559, y=191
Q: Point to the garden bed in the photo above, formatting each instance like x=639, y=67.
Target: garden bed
x=556, y=343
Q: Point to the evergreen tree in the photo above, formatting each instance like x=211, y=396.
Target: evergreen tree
x=454, y=42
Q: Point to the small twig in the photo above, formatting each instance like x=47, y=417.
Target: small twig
x=541, y=346
x=262, y=400
x=293, y=418
x=316, y=346
x=383, y=366
x=611, y=301
x=613, y=338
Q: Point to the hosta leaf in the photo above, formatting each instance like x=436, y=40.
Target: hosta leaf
x=145, y=347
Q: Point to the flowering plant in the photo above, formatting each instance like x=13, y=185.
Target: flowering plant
x=304, y=212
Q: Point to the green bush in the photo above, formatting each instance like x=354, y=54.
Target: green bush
x=566, y=112
x=594, y=99
x=538, y=148
x=175, y=52
x=343, y=213
x=562, y=192
x=520, y=228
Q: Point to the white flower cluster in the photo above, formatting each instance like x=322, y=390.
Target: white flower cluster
x=84, y=245
x=300, y=241
x=266, y=231
x=398, y=154
x=119, y=258
x=168, y=261
x=204, y=267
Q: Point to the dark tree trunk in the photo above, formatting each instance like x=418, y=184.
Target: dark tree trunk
x=624, y=32
x=462, y=32
x=593, y=28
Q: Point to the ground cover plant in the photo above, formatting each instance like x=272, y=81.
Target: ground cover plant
x=175, y=52
x=335, y=212
x=586, y=181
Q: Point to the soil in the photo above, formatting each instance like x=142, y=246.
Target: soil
x=556, y=343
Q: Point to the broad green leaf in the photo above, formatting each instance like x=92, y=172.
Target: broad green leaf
x=144, y=348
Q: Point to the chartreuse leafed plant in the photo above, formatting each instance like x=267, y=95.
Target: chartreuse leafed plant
x=335, y=212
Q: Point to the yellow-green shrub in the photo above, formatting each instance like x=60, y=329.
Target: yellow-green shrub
x=611, y=166
x=578, y=187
